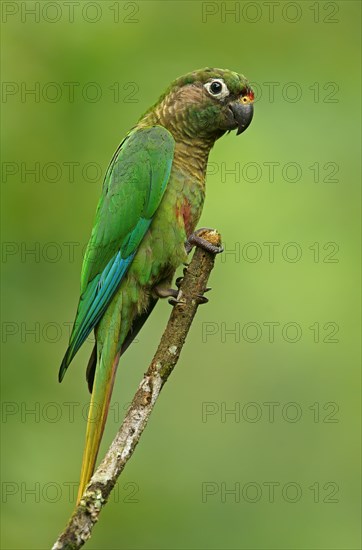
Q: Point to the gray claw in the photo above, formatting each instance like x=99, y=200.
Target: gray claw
x=202, y=299
x=178, y=300
x=174, y=302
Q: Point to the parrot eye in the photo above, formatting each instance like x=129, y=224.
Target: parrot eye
x=217, y=88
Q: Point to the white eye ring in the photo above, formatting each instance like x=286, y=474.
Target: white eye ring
x=216, y=87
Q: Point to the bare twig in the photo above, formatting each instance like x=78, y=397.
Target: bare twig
x=193, y=285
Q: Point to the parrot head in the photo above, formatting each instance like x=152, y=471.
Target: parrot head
x=205, y=104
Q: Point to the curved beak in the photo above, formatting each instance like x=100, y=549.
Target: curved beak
x=243, y=114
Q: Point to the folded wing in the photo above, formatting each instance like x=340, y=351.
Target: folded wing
x=133, y=188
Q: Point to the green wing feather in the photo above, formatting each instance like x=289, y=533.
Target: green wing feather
x=132, y=191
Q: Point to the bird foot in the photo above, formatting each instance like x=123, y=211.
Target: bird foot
x=165, y=292
x=196, y=239
x=175, y=296
x=180, y=301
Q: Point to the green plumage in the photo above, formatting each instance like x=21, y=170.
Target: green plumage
x=151, y=201
x=133, y=188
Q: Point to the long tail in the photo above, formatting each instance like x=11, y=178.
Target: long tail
x=97, y=416
x=111, y=343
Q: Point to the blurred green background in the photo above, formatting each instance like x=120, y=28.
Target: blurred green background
x=201, y=477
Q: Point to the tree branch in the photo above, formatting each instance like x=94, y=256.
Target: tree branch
x=193, y=285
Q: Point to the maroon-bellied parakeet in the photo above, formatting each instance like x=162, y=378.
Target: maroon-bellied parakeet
x=151, y=201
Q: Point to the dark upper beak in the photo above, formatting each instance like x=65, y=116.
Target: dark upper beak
x=243, y=114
